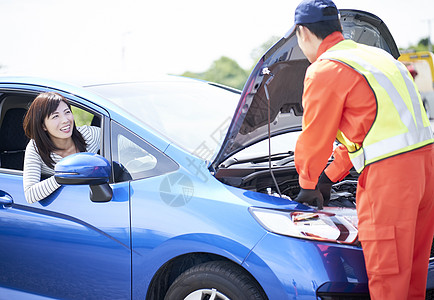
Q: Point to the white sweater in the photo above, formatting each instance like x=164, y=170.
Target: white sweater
x=34, y=166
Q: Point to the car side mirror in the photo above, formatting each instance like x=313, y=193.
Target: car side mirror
x=86, y=168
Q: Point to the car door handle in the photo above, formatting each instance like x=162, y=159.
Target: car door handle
x=5, y=199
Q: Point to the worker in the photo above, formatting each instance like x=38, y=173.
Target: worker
x=367, y=100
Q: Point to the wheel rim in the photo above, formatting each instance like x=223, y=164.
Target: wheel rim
x=206, y=294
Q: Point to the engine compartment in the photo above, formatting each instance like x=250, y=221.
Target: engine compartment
x=254, y=175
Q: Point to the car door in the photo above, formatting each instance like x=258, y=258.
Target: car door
x=64, y=246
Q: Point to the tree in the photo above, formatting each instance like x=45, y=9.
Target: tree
x=228, y=72
x=422, y=45
x=225, y=71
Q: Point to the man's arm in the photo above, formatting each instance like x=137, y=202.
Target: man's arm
x=323, y=104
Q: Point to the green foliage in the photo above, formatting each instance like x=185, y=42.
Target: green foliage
x=422, y=45
x=228, y=72
x=81, y=117
x=225, y=71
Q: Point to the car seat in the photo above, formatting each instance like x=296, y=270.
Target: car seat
x=13, y=141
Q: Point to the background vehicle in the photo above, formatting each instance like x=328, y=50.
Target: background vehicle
x=422, y=62
x=180, y=200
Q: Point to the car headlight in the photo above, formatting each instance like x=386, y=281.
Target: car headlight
x=322, y=226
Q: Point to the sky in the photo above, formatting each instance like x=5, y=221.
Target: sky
x=62, y=38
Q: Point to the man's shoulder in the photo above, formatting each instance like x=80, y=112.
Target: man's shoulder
x=325, y=68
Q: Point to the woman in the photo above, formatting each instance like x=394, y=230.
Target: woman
x=49, y=124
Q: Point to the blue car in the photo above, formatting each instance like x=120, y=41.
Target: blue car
x=186, y=199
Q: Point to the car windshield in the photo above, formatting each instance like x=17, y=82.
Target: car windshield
x=193, y=114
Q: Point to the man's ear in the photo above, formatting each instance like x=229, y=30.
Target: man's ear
x=305, y=33
x=299, y=33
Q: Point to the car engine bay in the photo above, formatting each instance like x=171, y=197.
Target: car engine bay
x=254, y=175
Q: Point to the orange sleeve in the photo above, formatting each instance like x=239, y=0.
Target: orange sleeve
x=323, y=102
x=340, y=166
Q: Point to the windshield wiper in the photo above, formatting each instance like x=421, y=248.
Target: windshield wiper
x=255, y=160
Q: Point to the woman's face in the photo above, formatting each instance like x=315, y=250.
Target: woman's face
x=59, y=123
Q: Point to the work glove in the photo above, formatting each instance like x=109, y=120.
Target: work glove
x=325, y=186
x=311, y=197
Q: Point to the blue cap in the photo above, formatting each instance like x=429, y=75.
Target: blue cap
x=312, y=11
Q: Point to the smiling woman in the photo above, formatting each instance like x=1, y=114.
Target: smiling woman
x=49, y=123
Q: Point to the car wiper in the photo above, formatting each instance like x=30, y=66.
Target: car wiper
x=285, y=160
x=259, y=159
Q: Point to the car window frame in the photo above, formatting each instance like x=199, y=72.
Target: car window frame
x=164, y=163
x=80, y=103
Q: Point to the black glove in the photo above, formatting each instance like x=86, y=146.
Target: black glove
x=311, y=197
x=325, y=186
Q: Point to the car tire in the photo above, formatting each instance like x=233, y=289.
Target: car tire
x=219, y=280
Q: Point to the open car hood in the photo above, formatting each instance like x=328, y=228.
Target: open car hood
x=272, y=94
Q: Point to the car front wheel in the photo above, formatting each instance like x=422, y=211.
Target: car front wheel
x=216, y=280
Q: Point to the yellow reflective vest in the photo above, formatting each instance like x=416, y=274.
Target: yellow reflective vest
x=401, y=123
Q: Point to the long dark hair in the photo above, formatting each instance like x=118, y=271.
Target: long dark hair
x=42, y=107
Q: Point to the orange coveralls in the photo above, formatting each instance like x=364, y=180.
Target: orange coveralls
x=394, y=196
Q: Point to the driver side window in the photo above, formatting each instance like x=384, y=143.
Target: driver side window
x=134, y=158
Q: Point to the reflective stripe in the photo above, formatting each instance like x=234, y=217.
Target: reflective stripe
x=358, y=161
x=417, y=135
x=396, y=143
x=381, y=149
